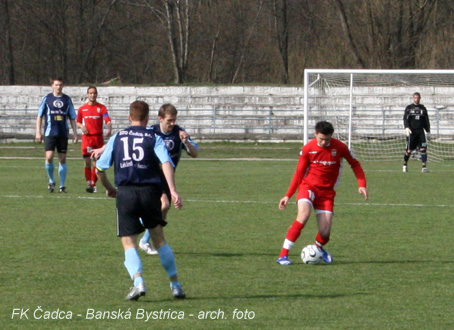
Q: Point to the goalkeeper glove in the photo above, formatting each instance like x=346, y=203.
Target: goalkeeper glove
x=407, y=131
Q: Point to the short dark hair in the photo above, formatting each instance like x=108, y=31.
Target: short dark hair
x=324, y=127
x=139, y=110
x=416, y=93
x=90, y=87
x=167, y=109
x=56, y=79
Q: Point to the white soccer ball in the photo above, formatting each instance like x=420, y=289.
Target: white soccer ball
x=311, y=255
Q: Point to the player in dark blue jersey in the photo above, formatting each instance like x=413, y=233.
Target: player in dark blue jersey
x=136, y=153
x=176, y=139
x=416, y=121
x=56, y=108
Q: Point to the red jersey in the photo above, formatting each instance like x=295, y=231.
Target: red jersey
x=92, y=116
x=321, y=167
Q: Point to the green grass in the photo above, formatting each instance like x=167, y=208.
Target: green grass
x=393, y=265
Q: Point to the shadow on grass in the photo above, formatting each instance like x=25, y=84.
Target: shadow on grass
x=260, y=296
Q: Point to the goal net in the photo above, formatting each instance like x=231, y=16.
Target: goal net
x=366, y=108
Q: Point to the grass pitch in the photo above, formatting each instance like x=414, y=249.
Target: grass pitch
x=393, y=260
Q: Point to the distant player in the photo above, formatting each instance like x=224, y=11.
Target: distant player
x=176, y=140
x=90, y=119
x=136, y=154
x=316, y=175
x=55, y=109
x=416, y=120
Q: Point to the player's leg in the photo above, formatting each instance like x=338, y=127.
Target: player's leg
x=97, y=143
x=167, y=260
x=324, y=219
x=62, y=147
x=133, y=264
x=128, y=227
x=49, y=148
x=423, y=151
x=407, y=154
x=304, y=212
x=88, y=173
x=144, y=243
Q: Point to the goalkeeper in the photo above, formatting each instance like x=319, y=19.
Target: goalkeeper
x=416, y=120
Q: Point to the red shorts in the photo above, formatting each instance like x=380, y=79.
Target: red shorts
x=90, y=142
x=321, y=199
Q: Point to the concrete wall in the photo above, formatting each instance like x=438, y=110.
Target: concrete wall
x=234, y=112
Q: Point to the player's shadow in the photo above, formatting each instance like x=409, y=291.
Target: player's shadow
x=259, y=296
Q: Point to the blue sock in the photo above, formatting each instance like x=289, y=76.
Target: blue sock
x=50, y=171
x=176, y=283
x=167, y=260
x=146, y=236
x=133, y=263
x=62, y=170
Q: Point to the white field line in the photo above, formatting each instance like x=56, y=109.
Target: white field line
x=202, y=201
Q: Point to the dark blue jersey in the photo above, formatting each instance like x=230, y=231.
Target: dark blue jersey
x=416, y=118
x=135, y=153
x=173, y=141
x=56, y=110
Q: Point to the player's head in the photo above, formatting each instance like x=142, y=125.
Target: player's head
x=167, y=116
x=138, y=111
x=57, y=85
x=323, y=132
x=416, y=98
x=92, y=94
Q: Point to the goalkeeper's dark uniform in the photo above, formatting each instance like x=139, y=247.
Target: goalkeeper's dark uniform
x=416, y=120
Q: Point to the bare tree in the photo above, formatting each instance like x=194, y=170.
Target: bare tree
x=9, y=44
x=281, y=29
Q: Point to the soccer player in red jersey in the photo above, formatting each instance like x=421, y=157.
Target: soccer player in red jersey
x=316, y=175
x=90, y=118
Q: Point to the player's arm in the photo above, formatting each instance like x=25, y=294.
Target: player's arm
x=359, y=173
x=191, y=147
x=296, y=179
x=427, y=128
x=406, y=122
x=169, y=174
x=38, y=135
x=168, y=168
x=74, y=126
x=39, y=120
x=108, y=122
x=104, y=163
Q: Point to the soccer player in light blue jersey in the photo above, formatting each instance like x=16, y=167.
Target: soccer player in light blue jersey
x=136, y=153
x=55, y=109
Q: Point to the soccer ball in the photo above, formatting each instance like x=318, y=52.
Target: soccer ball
x=311, y=255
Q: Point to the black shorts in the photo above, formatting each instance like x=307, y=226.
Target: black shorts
x=135, y=203
x=417, y=139
x=59, y=142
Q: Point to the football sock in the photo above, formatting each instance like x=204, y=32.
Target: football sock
x=62, y=170
x=167, y=260
x=133, y=263
x=320, y=241
x=94, y=177
x=146, y=236
x=87, y=171
x=50, y=171
x=406, y=158
x=424, y=158
x=175, y=283
x=292, y=235
x=138, y=280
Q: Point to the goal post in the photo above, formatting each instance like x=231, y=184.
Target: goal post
x=366, y=108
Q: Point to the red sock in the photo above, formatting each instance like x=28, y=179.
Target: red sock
x=87, y=171
x=94, y=177
x=292, y=235
x=320, y=241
